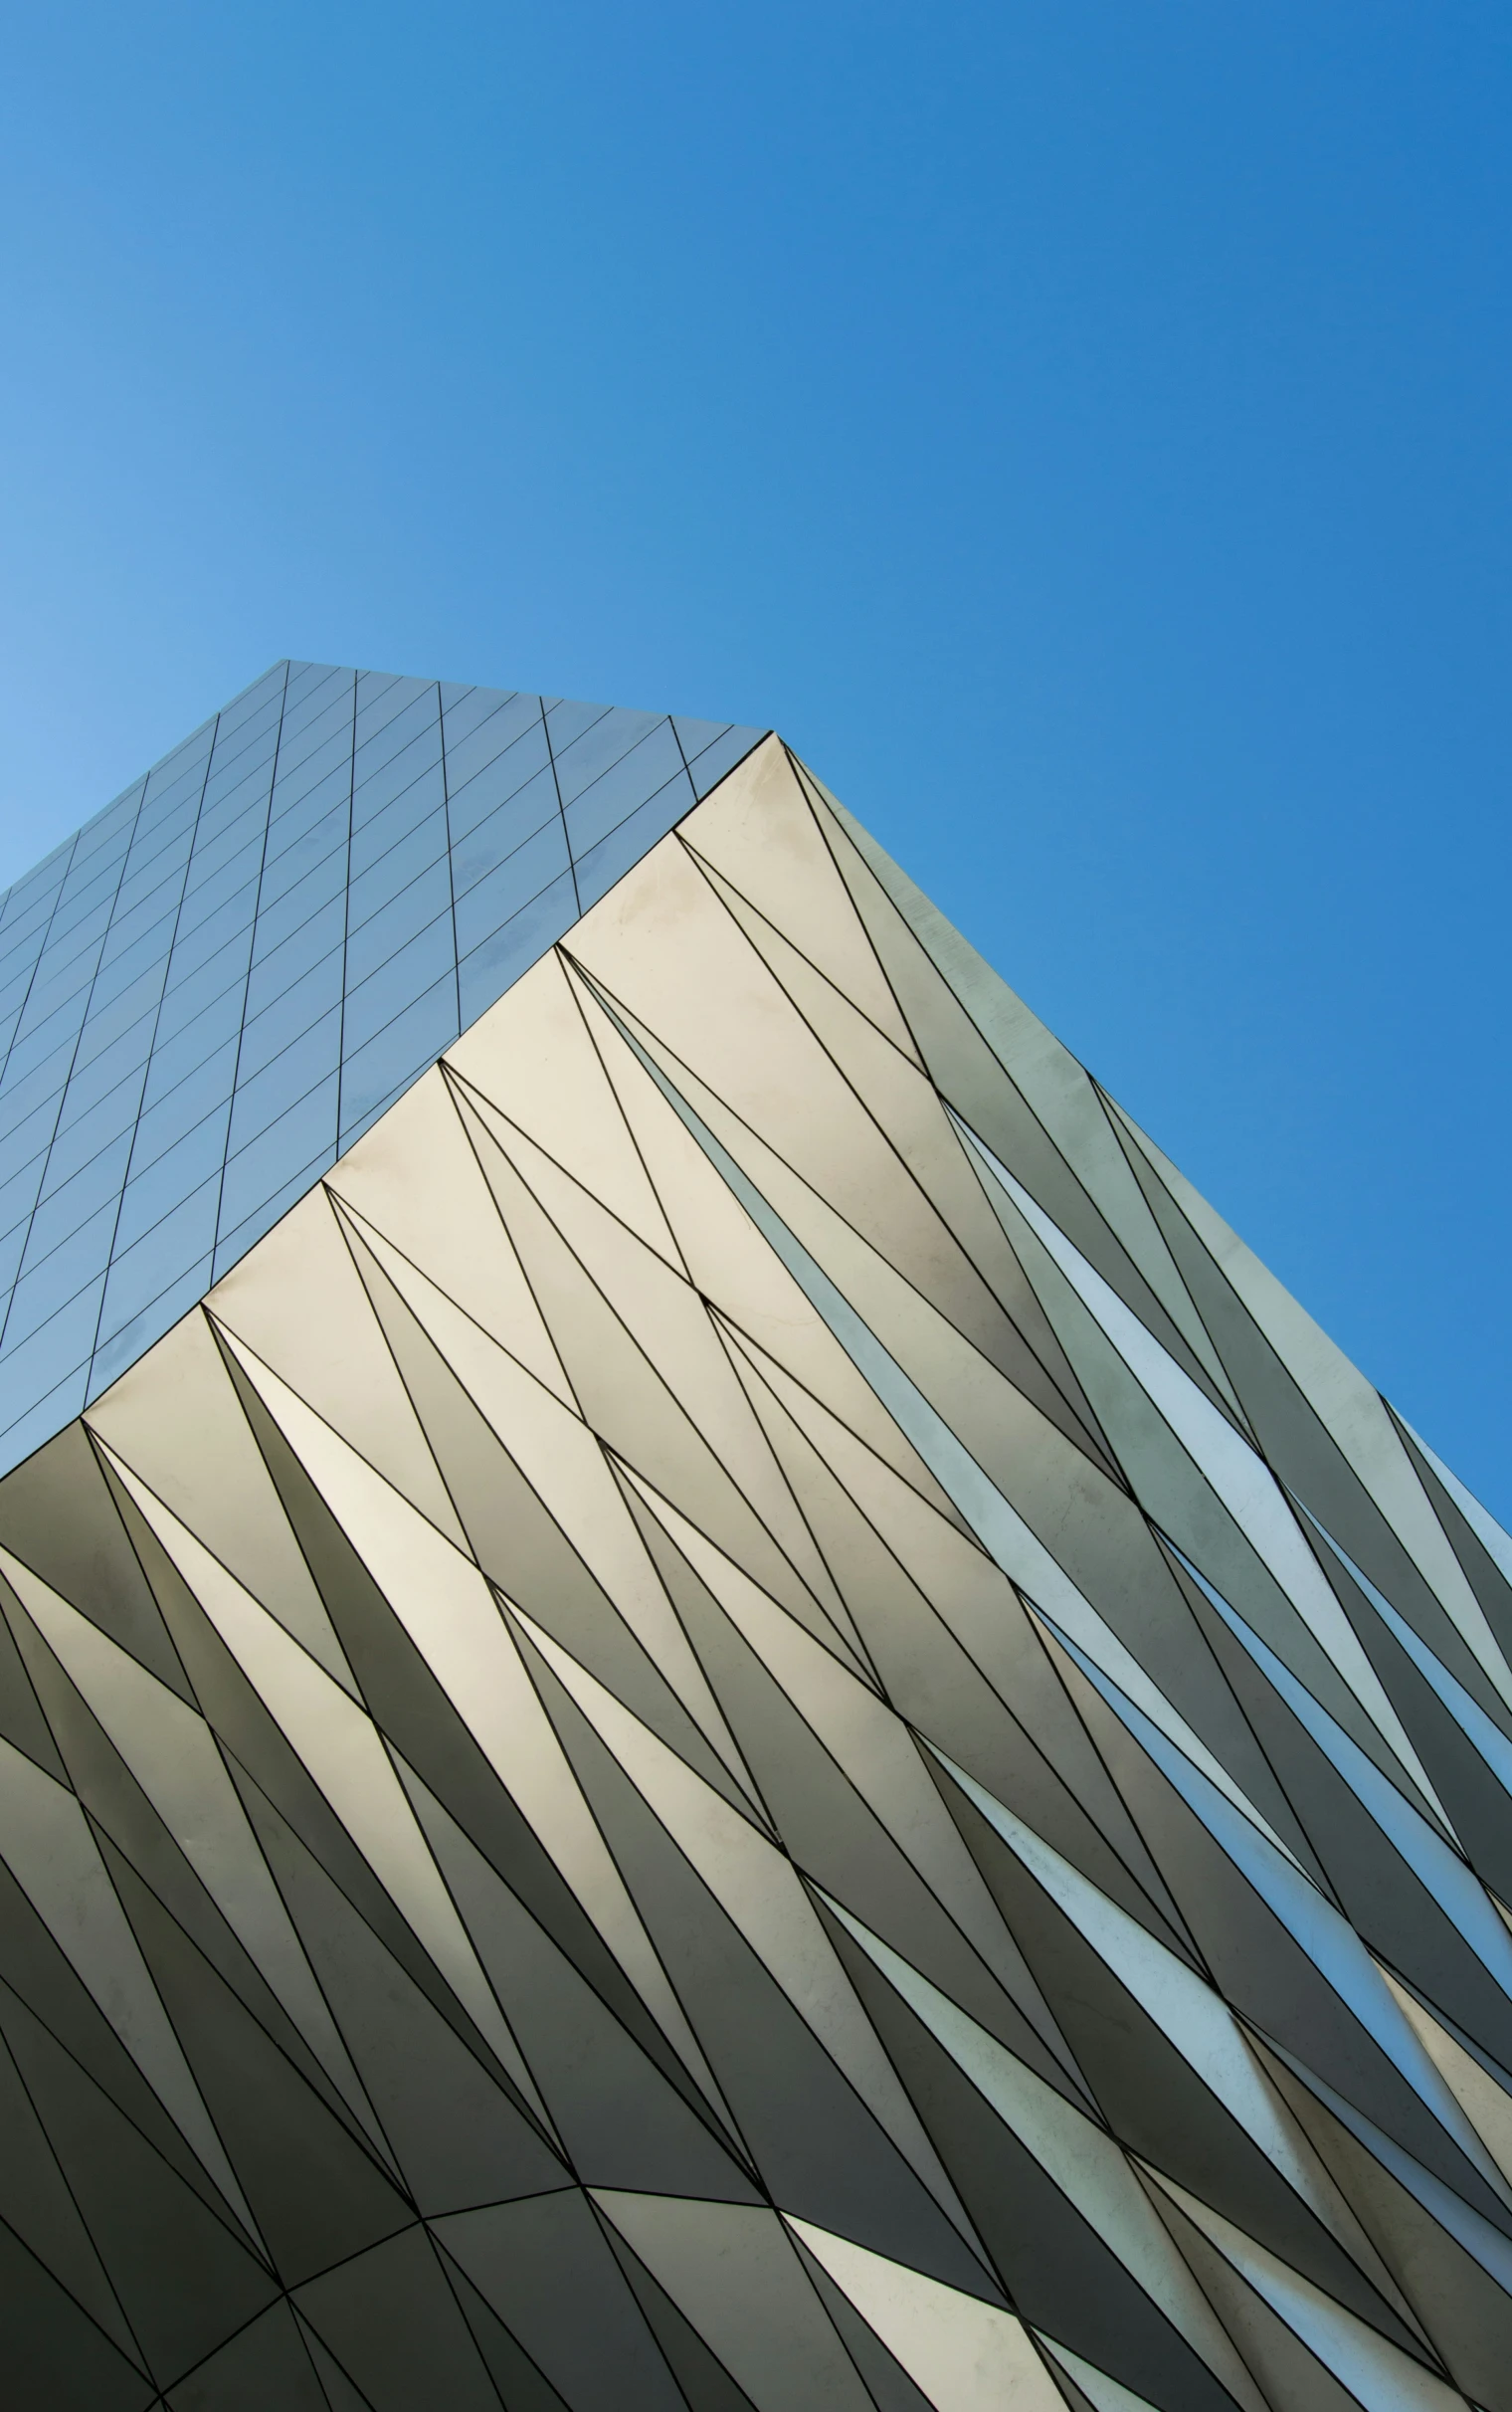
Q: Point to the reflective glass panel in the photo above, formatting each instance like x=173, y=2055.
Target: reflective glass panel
x=416, y=965
x=415, y=907
x=397, y=1054
x=623, y=788
x=281, y=1148
x=509, y=887
x=155, y=1189
x=280, y=1084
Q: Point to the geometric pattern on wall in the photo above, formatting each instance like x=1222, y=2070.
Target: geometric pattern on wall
x=748, y=1721
x=222, y=979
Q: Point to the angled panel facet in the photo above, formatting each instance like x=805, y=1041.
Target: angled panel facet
x=744, y=1720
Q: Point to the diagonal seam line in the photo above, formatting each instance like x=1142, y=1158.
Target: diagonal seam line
x=242, y=1025
x=152, y=1042
x=561, y=807
x=74, y=1058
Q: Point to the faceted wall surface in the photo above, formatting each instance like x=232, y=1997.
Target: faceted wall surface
x=748, y=1721
x=220, y=981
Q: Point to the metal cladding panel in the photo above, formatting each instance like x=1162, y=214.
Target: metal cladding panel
x=748, y=1721
x=223, y=978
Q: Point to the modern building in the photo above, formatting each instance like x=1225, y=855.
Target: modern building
x=705, y=1702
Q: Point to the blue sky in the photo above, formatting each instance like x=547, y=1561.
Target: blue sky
x=1081, y=429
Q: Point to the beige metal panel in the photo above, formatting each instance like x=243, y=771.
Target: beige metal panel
x=174, y=1420
x=731, y=1264
x=670, y=1323
x=908, y=1108
x=1350, y=1409
x=865, y=1738
x=927, y=1675
x=539, y=1067
x=685, y=973
x=1023, y=1452
x=1212, y=1492
x=451, y=1615
x=51, y=1851
x=735, y=2277
x=415, y=1176
x=1484, y=2103
x=1374, y=2370
x=172, y=1754
x=968, y=1022
x=965, y=2355
x=758, y=828
x=304, y=1311
x=565, y=1465
x=671, y=1397
x=833, y=1011
x=759, y=1889
x=337, y=1742
x=1081, y=2158
x=620, y=1393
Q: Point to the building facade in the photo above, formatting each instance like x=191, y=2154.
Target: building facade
x=705, y=1702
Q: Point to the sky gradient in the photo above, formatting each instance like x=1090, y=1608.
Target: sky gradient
x=1081, y=430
